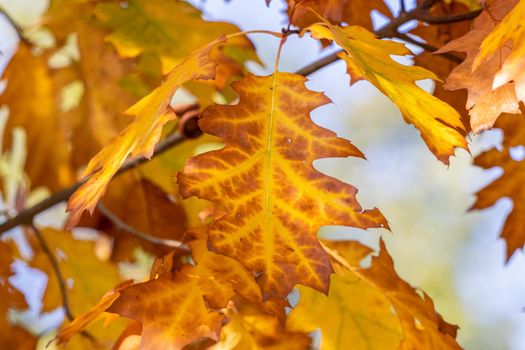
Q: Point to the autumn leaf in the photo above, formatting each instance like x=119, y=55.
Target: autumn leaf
x=509, y=184
x=173, y=314
x=377, y=309
x=34, y=108
x=486, y=100
x=510, y=29
x=437, y=36
x=264, y=178
x=354, y=12
x=79, y=265
x=140, y=137
x=251, y=328
x=369, y=58
x=195, y=293
x=146, y=27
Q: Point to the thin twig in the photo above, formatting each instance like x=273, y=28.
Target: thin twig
x=26, y=216
x=122, y=226
x=402, y=8
x=56, y=269
x=429, y=48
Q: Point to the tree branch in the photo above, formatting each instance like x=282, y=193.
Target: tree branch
x=26, y=216
x=122, y=226
x=56, y=269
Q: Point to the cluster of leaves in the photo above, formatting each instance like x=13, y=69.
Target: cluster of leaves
x=237, y=231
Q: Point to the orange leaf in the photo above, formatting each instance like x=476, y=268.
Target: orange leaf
x=172, y=311
x=264, y=177
x=485, y=101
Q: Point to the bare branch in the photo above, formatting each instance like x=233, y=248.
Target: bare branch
x=56, y=269
x=425, y=17
x=122, y=226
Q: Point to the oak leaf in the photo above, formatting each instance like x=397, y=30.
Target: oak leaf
x=509, y=184
x=486, y=100
x=172, y=311
x=510, y=29
x=140, y=137
x=146, y=27
x=376, y=307
x=369, y=58
x=437, y=35
x=264, y=178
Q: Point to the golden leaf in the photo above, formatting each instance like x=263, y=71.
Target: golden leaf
x=369, y=58
x=32, y=98
x=148, y=27
x=377, y=309
x=264, y=177
x=486, y=101
x=140, y=137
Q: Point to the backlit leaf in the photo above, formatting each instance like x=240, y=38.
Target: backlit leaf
x=264, y=177
x=369, y=58
x=370, y=308
x=486, y=100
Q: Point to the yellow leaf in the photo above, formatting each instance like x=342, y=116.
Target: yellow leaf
x=140, y=137
x=164, y=28
x=32, y=97
x=264, y=177
x=369, y=58
x=376, y=307
x=355, y=315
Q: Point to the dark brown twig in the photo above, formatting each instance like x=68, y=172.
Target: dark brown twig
x=122, y=226
x=425, y=17
x=56, y=269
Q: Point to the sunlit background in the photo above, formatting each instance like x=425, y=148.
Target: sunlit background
x=452, y=254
